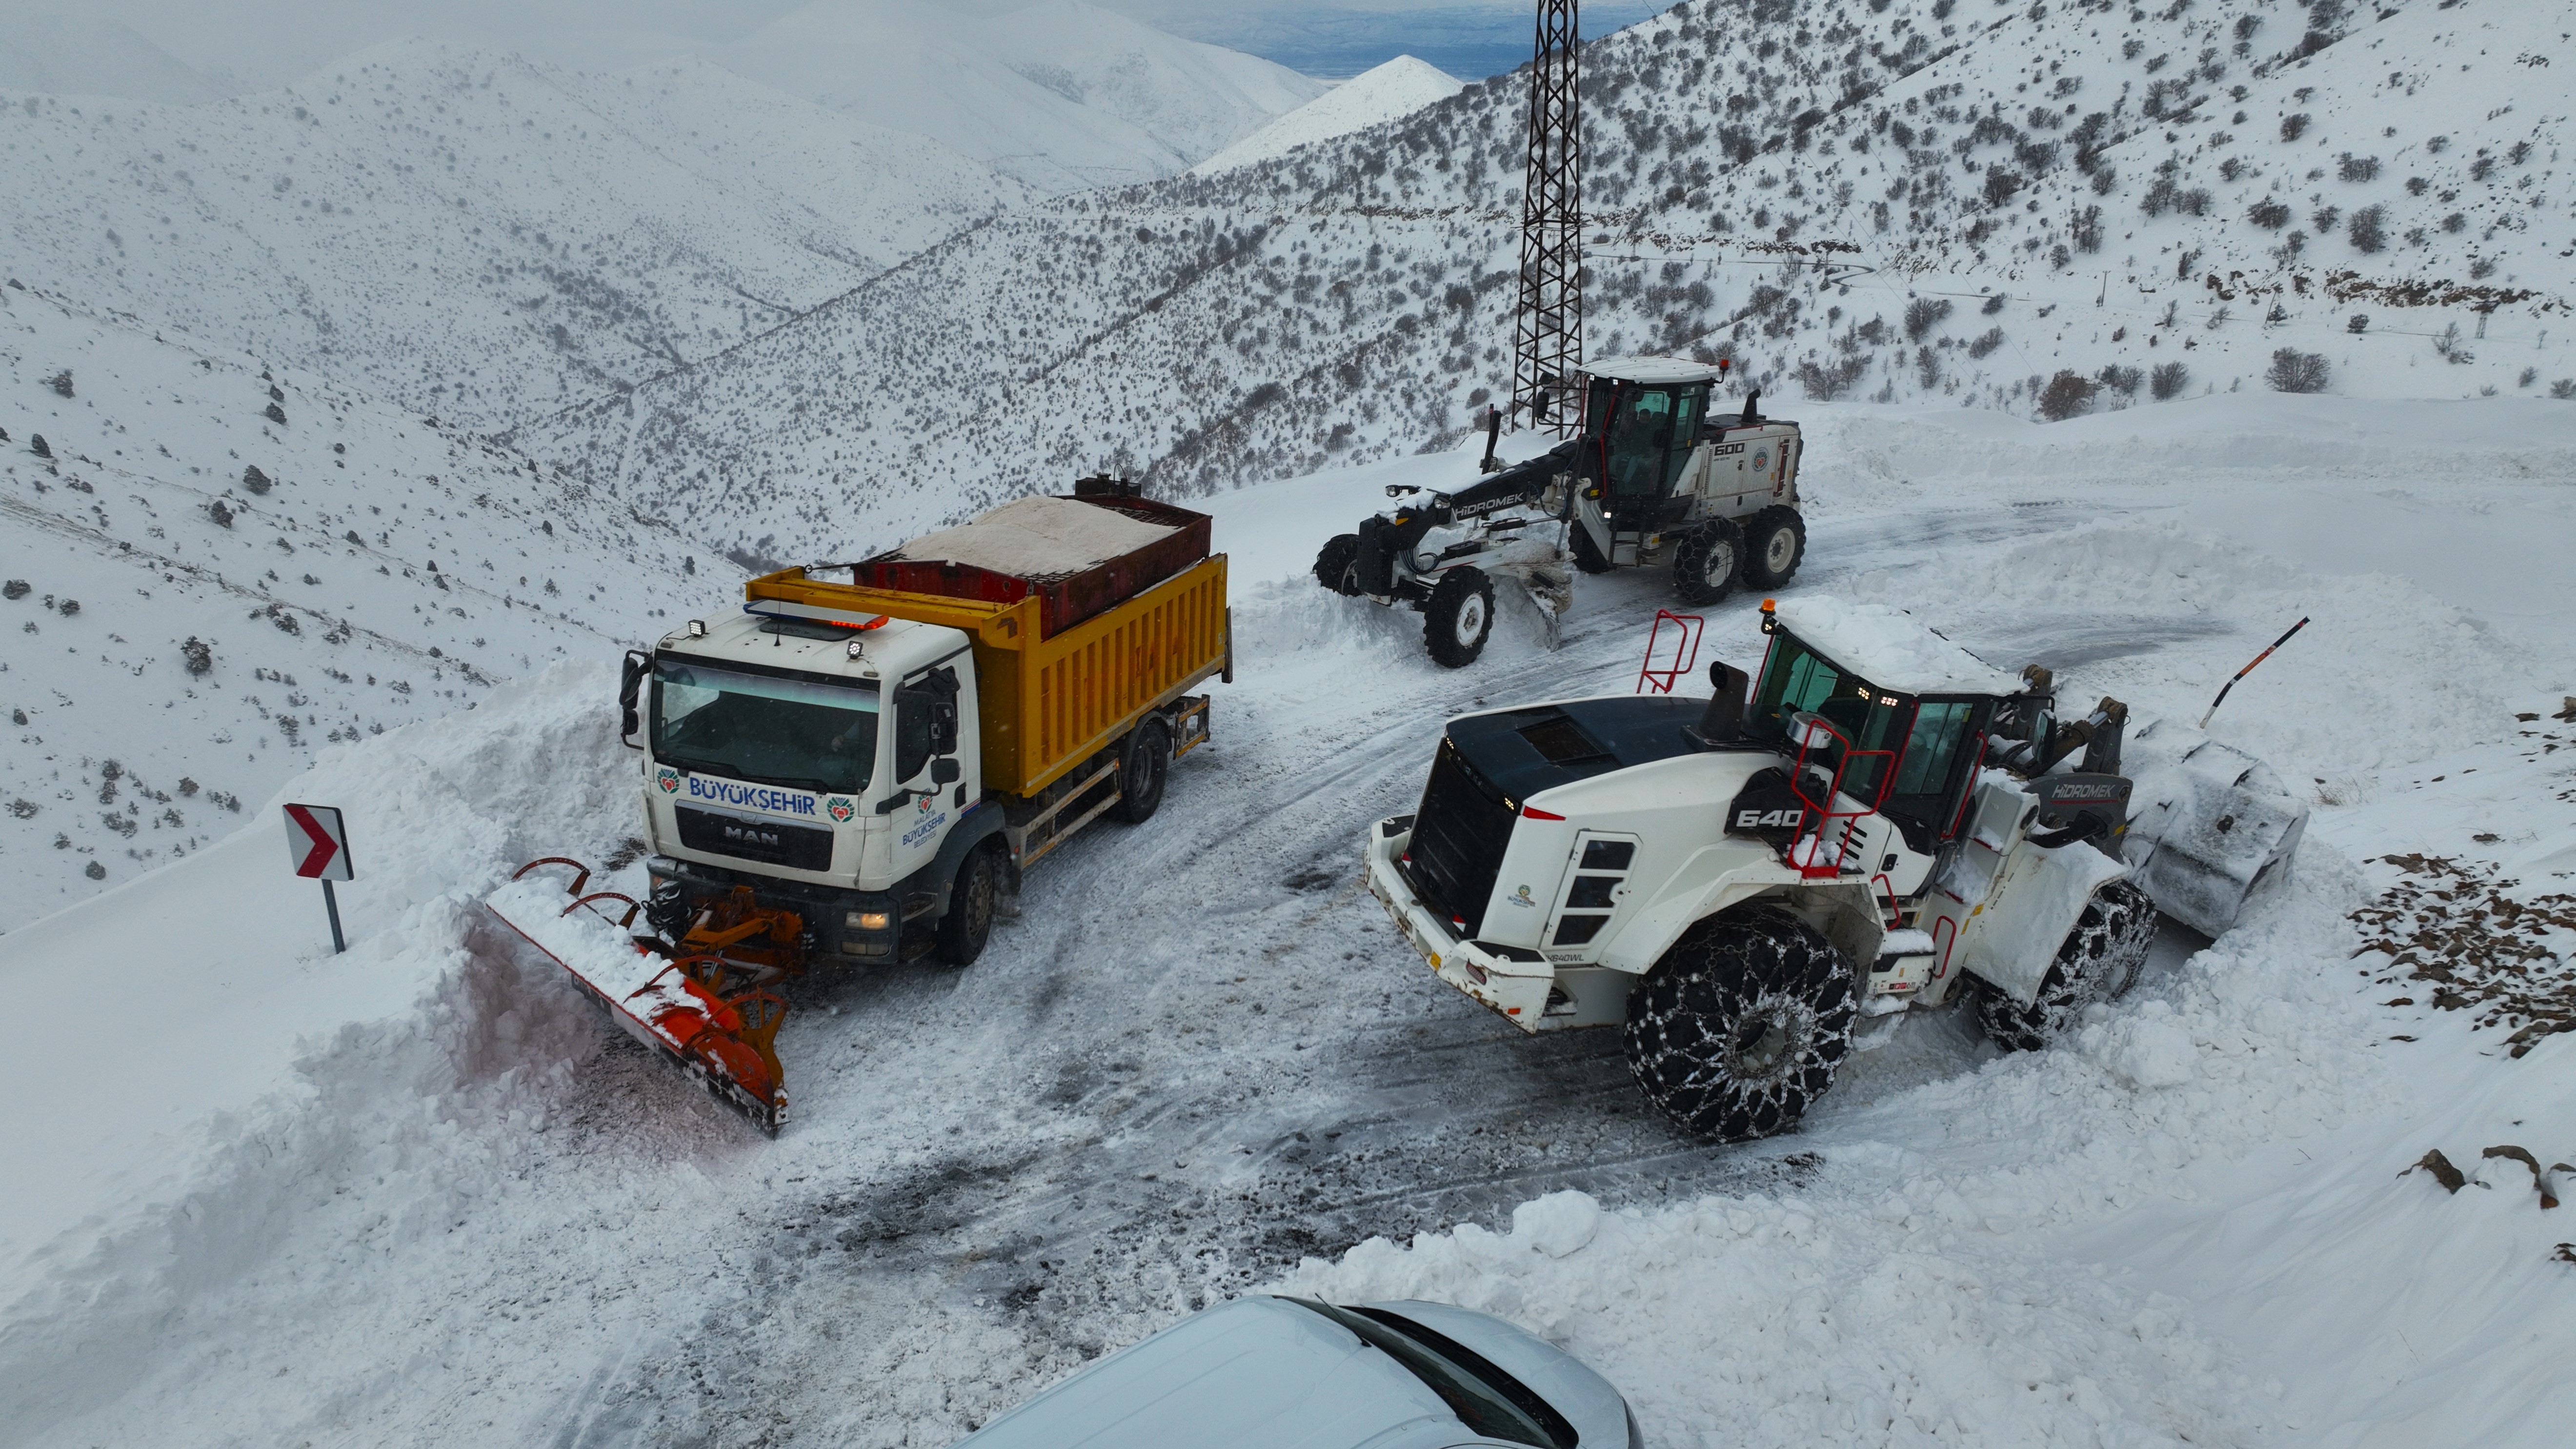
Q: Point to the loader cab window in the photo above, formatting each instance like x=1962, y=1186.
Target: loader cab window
x=1797, y=679
x=1933, y=770
x=797, y=732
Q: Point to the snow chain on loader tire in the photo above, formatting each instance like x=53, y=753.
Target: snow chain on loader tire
x=2100, y=961
x=1459, y=616
x=1775, y=543
x=1738, y=1029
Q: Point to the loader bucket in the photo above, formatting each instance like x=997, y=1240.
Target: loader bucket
x=2208, y=826
x=704, y=1004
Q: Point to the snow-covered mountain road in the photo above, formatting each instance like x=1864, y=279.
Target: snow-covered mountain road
x=1198, y=1053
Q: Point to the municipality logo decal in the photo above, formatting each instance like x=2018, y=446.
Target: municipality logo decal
x=1521, y=897
x=668, y=779
x=841, y=808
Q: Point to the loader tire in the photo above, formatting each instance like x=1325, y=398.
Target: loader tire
x=1705, y=564
x=1587, y=557
x=972, y=899
x=1142, y=768
x=1337, y=564
x=1459, y=616
x=1739, y=1028
x=2100, y=961
x=1775, y=543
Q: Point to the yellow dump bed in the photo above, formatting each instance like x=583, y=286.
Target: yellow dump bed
x=1049, y=703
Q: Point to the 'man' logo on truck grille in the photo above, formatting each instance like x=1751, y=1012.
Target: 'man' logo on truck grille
x=797, y=847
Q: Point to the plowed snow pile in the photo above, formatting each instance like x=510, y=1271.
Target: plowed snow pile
x=424, y=1193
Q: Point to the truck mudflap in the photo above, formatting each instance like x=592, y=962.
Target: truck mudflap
x=704, y=1005
x=1516, y=990
x=2208, y=826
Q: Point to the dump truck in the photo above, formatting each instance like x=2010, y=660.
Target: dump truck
x=1651, y=479
x=850, y=775
x=1880, y=822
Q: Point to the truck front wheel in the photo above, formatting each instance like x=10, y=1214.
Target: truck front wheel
x=1142, y=770
x=971, y=899
x=2099, y=961
x=1739, y=1028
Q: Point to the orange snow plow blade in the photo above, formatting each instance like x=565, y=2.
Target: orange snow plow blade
x=704, y=1001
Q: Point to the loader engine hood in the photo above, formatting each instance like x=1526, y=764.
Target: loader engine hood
x=1489, y=765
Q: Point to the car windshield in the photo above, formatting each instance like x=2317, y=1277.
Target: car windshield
x=1488, y=1401
x=798, y=732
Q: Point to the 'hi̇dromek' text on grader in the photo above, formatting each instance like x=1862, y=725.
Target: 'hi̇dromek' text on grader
x=850, y=775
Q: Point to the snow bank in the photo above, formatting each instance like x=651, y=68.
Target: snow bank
x=1390, y=92
x=2187, y=1227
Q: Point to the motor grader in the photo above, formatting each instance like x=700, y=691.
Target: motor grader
x=1651, y=479
x=1879, y=823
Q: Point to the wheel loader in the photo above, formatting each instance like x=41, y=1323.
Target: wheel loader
x=1879, y=822
x=1651, y=479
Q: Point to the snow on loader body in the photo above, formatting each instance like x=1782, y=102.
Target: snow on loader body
x=1884, y=822
x=851, y=775
x=1649, y=480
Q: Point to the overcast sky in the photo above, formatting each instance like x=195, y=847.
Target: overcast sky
x=268, y=42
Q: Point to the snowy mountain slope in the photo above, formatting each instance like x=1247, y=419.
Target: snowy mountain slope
x=1352, y=299
x=188, y=633
x=996, y=1175
x=79, y=55
x=1063, y=96
x=1390, y=92
x=467, y=232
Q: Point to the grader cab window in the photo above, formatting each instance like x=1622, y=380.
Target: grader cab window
x=1644, y=436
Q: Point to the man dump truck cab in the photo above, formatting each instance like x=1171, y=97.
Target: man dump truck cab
x=851, y=774
x=1662, y=481
x=1652, y=478
x=1881, y=822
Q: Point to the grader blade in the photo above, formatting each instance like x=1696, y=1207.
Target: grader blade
x=704, y=1003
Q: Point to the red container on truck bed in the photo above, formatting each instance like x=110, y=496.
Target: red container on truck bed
x=1079, y=556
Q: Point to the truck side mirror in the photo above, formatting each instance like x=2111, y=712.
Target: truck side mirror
x=945, y=770
x=630, y=689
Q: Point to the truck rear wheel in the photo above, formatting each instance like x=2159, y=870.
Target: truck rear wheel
x=1705, y=563
x=1337, y=564
x=1774, y=545
x=1739, y=1028
x=1146, y=763
x=971, y=900
x=1459, y=616
x=2099, y=961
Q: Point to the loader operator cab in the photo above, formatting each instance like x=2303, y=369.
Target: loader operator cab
x=1910, y=754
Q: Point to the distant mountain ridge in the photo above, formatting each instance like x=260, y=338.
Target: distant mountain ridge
x=2043, y=209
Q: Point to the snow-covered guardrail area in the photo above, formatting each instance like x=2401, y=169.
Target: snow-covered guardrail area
x=426, y=1192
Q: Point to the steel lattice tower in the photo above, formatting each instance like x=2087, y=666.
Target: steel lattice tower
x=1547, y=343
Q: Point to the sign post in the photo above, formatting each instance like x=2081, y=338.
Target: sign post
x=319, y=846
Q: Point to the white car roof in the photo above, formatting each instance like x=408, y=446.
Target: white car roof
x=1658, y=370
x=1257, y=1373
x=1890, y=647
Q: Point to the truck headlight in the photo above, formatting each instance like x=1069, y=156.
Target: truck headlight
x=865, y=921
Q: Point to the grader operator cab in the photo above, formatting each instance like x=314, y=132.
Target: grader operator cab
x=1883, y=823
x=1652, y=479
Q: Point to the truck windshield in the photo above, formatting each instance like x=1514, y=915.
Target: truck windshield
x=804, y=734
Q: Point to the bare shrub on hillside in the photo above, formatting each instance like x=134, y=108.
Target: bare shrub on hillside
x=2296, y=371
